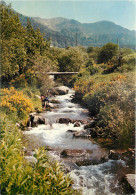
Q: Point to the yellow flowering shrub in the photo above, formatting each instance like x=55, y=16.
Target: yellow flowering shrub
x=13, y=101
x=89, y=86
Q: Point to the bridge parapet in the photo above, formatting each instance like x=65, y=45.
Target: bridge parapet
x=62, y=73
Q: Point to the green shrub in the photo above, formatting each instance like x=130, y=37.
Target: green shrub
x=111, y=98
x=107, y=52
x=128, y=62
x=114, y=123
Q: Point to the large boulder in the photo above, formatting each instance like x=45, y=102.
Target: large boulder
x=90, y=161
x=62, y=90
x=50, y=105
x=83, y=122
x=80, y=121
x=77, y=124
x=82, y=134
x=128, y=155
x=54, y=101
x=129, y=183
x=72, y=153
x=64, y=120
x=38, y=120
x=35, y=120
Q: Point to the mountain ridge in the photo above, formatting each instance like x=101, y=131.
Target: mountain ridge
x=63, y=32
x=95, y=34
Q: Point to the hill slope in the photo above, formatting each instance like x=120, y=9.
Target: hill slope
x=63, y=31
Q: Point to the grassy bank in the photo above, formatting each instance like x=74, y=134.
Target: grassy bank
x=110, y=97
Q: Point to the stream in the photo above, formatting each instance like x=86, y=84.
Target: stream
x=96, y=178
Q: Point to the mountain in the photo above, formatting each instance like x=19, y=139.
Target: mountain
x=66, y=32
x=63, y=32
x=58, y=39
x=95, y=34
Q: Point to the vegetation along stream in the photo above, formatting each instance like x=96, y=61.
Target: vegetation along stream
x=97, y=174
x=90, y=129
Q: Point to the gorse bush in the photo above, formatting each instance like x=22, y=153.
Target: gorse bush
x=91, y=85
x=17, y=176
x=14, y=102
x=110, y=98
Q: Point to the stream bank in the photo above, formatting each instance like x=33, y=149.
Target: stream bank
x=66, y=138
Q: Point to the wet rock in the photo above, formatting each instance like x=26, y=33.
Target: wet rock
x=64, y=120
x=127, y=155
x=83, y=122
x=55, y=101
x=35, y=120
x=114, y=155
x=74, y=121
x=87, y=162
x=50, y=105
x=77, y=124
x=62, y=90
x=129, y=183
x=119, y=154
x=64, y=153
x=82, y=134
x=71, y=131
x=72, y=153
x=69, y=166
x=41, y=120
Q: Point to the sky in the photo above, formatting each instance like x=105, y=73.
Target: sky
x=120, y=12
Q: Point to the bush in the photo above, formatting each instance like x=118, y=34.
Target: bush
x=107, y=52
x=111, y=98
x=14, y=102
x=95, y=90
x=114, y=123
x=128, y=63
x=72, y=60
x=91, y=68
x=34, y=95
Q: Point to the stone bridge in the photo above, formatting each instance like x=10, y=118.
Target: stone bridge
x=54, y=75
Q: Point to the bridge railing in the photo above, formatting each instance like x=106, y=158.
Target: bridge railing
x=62, y=73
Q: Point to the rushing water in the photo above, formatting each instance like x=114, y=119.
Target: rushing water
x=96, y=179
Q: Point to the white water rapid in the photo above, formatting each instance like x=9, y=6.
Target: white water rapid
x=94, y=179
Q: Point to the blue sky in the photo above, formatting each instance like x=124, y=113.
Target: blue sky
x=121, y=12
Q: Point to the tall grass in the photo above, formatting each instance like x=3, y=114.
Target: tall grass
x=17, y=176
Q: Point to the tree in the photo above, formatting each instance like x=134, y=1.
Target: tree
x=107, y=52
x=90, y=67
x=72, y=60
x=23, y=51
